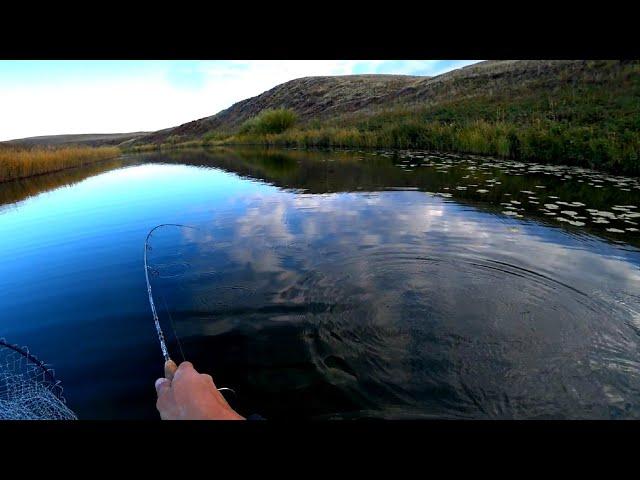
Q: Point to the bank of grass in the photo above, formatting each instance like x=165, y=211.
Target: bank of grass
x=16, y=162
x=542, y=142
x=590, y=118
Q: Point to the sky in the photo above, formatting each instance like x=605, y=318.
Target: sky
x=51, y=97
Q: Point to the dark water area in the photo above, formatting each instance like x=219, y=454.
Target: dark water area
x=332, y=284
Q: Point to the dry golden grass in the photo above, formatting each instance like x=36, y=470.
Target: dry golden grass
x=26, y=162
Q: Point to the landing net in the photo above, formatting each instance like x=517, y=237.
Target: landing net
x=28, y=388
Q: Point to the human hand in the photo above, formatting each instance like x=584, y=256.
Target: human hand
x=190, y=395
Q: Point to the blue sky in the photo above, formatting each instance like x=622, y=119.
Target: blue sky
x=57, y=97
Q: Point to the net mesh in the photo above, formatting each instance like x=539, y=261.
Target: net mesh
x=28, y=388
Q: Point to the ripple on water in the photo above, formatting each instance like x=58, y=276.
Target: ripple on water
x=418, y=327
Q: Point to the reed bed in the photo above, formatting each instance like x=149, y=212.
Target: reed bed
x=16, y=162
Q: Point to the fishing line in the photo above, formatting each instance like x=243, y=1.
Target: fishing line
x=173, y=327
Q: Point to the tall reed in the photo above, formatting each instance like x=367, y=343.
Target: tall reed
x=16, y=162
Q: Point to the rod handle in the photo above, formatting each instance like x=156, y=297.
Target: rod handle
x=170, y=368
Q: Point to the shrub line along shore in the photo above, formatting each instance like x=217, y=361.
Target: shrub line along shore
x=538, y=140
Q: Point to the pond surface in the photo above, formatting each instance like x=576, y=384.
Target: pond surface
x=332, y=284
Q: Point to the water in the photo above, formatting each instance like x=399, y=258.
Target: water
x=333, y=284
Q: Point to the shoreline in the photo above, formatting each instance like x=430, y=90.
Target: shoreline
x=270, y=145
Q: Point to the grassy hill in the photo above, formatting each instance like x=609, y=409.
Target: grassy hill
x=88, y=139
x=562, y=111
x=312, y=98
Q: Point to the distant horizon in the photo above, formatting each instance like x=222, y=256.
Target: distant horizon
x=86, y=97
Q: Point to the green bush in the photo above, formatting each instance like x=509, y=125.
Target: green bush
x=270, y=121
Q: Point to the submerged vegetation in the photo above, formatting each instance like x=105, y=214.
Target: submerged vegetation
x=17, y=162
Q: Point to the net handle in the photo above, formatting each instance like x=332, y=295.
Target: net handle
x=25, y=353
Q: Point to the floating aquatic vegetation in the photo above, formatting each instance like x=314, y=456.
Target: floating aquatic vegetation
x=610, y=215
x=545, y=200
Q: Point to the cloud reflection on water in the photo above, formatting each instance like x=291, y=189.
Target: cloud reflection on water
x=501, y=317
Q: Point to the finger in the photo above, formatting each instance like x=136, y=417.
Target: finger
x=162, y=385
x=186, y=364
x=170, y=368
x=185, y=367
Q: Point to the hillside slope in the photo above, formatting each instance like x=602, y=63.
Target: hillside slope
x=322, y=98
x=89, y=139
x=310, y=97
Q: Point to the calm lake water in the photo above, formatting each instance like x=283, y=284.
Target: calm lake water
x=332, y=284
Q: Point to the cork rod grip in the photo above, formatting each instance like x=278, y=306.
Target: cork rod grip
x=170, y=368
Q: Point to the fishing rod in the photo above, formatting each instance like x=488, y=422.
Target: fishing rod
x=170, y=366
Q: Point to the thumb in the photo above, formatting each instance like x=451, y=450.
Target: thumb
x=162, y=386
